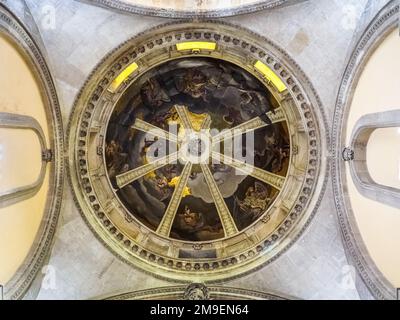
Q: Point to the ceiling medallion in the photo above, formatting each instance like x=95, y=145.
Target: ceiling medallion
x=195, y=153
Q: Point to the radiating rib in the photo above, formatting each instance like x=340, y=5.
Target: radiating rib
x=223, y=211
x=166, y=223
x=153, y=130
x=127, y=177
x=206, y=123
x=184, y=116
x=253, y=124
x=272, y=179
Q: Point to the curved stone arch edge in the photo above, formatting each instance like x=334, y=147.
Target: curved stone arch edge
x=18, y=285
x=178, y=293
x=124, y=7
x=97, y=73
x=383, y=23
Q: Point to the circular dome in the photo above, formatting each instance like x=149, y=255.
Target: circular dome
x=217, y=98
x=196, y=155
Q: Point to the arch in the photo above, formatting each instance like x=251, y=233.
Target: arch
x=51, y=144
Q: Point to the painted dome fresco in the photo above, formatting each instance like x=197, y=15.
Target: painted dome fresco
x=194, y=155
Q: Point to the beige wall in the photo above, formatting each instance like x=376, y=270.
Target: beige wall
x=378, y=90
x=19, y=159
x=15, y=170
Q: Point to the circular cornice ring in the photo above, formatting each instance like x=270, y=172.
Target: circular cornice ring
x=21, y=281
x=123, y=6
x=85, y=123
x=385, y=22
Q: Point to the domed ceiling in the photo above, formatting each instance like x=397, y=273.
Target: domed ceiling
x=214, y=95
x=196, y=155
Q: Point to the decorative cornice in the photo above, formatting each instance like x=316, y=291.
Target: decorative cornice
x=19, y=284
x=207, y=293
x=124, y=6
x=385, y=22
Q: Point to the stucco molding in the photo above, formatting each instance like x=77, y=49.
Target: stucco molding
x=385, y=22
x=124, y=6
x=362, y=179
x=11, y=27
x=16, y=121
